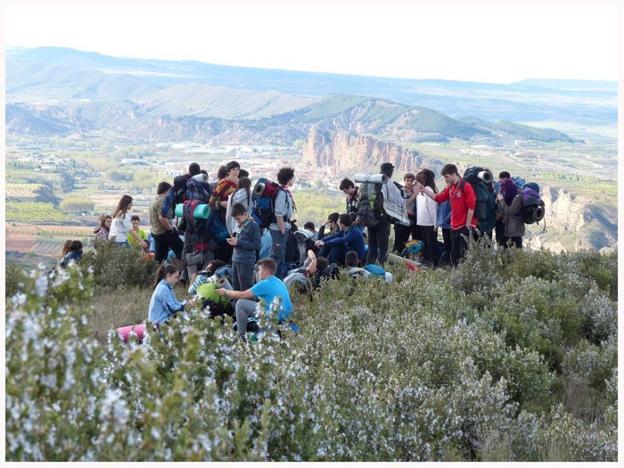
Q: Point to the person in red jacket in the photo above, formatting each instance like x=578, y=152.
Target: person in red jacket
x=463, y=202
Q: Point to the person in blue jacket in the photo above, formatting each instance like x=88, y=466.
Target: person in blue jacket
x=334, y=247
x=164, y=304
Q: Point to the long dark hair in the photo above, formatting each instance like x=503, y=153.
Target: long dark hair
x=66, y=246
x=122, y=206
x=427, y=178
x=163, y=271
x=103, y=219
x=245, y=183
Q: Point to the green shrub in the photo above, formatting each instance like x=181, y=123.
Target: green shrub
x=118, y=267
x=14, y=276
x=420, y=369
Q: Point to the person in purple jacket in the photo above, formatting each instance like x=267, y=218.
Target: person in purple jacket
x=348, y=238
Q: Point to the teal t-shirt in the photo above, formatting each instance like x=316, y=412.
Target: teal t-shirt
x=271, y=287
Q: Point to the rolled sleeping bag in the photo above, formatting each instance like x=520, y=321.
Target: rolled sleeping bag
x=486, y=176
x=396, y=260
x=138, y=330
x=370, y=178
x=202, y=211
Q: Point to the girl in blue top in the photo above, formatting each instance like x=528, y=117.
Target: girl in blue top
x=164, y=303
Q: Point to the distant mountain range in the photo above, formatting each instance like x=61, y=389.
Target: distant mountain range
x=181, y=88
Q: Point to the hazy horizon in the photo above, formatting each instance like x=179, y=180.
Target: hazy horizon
x=488, y=44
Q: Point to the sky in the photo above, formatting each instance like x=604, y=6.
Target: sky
x=489, y=43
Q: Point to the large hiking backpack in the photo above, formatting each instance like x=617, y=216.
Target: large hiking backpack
x=485, y=210
x=263, y=201
x=175, y=196
x=198, y=188
x=533, y=207
x=370, y=203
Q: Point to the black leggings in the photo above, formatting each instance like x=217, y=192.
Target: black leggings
x=166, y=241
x=429, y=239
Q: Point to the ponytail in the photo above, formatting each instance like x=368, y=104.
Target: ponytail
x=163, y=271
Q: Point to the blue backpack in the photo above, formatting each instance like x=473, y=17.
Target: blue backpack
x=375, y=270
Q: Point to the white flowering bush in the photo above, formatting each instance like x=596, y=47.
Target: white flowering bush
x=487, y=362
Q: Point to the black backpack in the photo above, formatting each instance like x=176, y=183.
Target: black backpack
x=370, y=205
x=175, y=196
x=481, y=181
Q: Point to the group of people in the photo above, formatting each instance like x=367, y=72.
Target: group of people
x=262, y=255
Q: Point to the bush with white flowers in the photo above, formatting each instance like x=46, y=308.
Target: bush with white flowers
x=480, y=363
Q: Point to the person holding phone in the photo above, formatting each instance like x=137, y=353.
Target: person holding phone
x=246, y=244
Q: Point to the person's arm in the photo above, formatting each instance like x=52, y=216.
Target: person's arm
x=312, y=266
x=280, y=210
x=165, y=222
x=236, y=294
x=338, y=239
x=252, y=244
x=471, y=203
x=172, y=303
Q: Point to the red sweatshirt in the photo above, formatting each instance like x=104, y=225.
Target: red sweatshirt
x=461, y=202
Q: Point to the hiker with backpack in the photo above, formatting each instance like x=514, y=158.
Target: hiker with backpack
x=283, y=210
x=372, y=213
x=165, y=236
x=509, y=200
x=500, y=224
x=426, y=216
x=463, y=202
x=268, y=289
x=224, y=188
x=352, y=193
x=246, y=243
x=348, y=239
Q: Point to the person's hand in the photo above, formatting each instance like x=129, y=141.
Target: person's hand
x=192, y=302
x=319, y=243
x=499, y=197
x=222, y=292
x=232, y=241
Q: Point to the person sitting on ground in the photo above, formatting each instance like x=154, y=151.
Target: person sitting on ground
x=72, y=255
x=349, y=238
x=300, y=276
x=102, y=231
x=369, y=271
x=204, y=275
x=246, y=243
x=136, y=227
x=311, y=228
x=268, y=289
x=164, y=304
x=330, y=227
x=509, y=201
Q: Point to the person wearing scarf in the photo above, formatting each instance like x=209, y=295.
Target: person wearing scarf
x=509, y=201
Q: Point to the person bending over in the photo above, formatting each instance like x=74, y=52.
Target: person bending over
x=269, y=288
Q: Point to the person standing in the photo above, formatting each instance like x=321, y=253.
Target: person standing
x=509, y=201
x=121, y=227
x=463, y=202
x=427, y=213
x=165, y=236
x=401, y=232
x=284, y=208
x=246, y=244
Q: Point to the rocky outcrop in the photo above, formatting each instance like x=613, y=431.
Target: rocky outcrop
x=573, y=222
x=343, y=151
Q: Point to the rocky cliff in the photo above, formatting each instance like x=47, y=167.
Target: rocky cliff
x=342, y=151
x=573, y=222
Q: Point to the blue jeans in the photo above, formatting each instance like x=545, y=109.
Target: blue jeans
x=333, y=253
